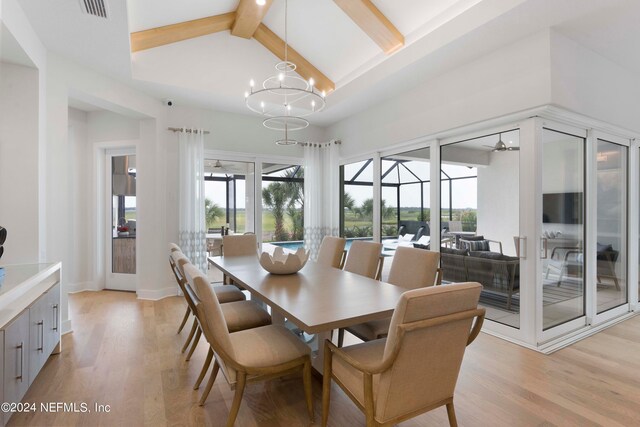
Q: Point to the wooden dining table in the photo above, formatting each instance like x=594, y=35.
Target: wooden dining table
x=317, y=299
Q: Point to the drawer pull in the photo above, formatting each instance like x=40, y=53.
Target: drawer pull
x=41, y=324
x=55, y=317
x=21, y=347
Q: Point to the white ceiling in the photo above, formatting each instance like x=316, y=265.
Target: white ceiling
x=213, y=71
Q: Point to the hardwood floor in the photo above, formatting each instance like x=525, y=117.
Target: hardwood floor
x=125, y=353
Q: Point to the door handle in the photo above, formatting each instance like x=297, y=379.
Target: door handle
x=521, y=249
x=21, y=347
x=545, y=247
x=55, y=317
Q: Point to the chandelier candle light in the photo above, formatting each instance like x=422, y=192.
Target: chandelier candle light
x=285, y=99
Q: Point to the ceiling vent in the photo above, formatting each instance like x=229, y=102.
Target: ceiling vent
x=94, y=7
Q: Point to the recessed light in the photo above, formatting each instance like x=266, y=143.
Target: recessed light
x=261, y=2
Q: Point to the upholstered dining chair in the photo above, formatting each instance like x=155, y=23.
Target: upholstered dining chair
x=250, y=355
x=364, y=259
x=240, y=314
x=411, y=269
x=240, y=245
x=173, y=247
x=331, y=252
x=414, y=369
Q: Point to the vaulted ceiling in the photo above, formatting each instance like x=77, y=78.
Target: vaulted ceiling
x=366, y=50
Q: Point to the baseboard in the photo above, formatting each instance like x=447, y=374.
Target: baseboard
x=81, y=287
x=66, y=327
x=157, y=294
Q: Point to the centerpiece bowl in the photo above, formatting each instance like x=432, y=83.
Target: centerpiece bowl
x=284, y=263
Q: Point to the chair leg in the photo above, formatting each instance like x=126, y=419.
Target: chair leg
x=184, y=319
x=195, y=344
x=340, y=337
x=451, y=413
x=212, y=379
x=237, y=398
x=205, y=368
x=326, y=387
x=194, y=326
x=306, y=377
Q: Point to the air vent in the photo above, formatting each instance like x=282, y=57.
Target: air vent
x=94, y=7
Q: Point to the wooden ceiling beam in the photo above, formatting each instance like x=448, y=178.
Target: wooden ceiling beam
x=161, y=36
x=369, y=18
x=249, y=15
x=305, y=69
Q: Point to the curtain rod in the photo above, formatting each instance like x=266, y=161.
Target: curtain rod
x=187, y=130
x=320, y=144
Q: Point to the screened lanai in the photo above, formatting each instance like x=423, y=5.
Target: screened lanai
x=405, y=198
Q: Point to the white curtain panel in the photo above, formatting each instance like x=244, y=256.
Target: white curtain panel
x=321, y=194
x=192, y=219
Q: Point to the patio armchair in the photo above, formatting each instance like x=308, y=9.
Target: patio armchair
x=414, y=369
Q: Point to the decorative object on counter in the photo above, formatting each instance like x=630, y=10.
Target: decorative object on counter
x=284, y=263
x=123, y=230
x=3, y=238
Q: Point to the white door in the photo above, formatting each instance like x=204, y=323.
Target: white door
x=120, y=220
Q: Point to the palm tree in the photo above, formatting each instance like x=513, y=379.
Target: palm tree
x=366, y=210
x=348, y=202
x=212, y=212
x=275, y=196
x=295, y=206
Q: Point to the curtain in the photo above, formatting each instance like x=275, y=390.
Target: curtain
x=321, y=194
x=191, y=195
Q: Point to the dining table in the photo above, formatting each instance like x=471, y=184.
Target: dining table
x=317, y=299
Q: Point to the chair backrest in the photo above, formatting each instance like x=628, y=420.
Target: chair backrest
x=363, y=258
x=180, y=260
x=240, y=245
x=429, y=331
x=214, y=325
x=455, y=225
x=413, y=268
x=330, y=253
x=173, y=247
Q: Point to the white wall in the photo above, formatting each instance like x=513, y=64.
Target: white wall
x=19, y=109
x=80, y=275
x=587, y=83
x=511, y=79
x=109, y=126
x=498, y=199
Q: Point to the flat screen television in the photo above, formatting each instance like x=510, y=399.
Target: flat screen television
x=562, y=208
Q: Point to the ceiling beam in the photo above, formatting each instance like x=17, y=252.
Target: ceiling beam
x=369, y=18
x=305, y=69
x=160, y=36
x=248, y=16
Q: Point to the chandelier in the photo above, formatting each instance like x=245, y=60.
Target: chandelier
x=285, y=99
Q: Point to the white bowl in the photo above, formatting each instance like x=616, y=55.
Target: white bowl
x=284, y=263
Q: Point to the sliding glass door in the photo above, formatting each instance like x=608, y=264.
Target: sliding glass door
x=563, y=227
x=611, y=244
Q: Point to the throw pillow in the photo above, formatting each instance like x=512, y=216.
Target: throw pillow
x=476, y=245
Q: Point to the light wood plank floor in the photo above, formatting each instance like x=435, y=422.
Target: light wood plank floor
x=126, y=353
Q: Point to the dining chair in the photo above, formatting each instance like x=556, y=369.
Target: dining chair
x=411, y=269
x=246, y=356
x=331, y=251
x=414, y=369
x=364, y=259
x=241, y=314
x=240, y=245
x=173, y=247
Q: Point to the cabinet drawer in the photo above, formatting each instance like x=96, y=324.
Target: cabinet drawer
x=16, y=361
x=52, y=316
x=38, y=323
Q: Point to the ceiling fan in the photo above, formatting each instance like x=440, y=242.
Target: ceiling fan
x=501, y=146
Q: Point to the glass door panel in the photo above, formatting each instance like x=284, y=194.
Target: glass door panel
x=123, y=214
x=357, y=200
x=480, y=217
x=563, y=219
x=611, y=246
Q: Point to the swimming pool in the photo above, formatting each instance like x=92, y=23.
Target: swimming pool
x=294, y=245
